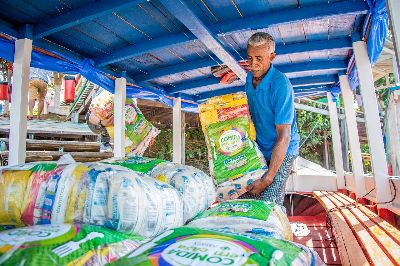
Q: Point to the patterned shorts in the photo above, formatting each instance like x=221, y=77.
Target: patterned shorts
x=276, y=191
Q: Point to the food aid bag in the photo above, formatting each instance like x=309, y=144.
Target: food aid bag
x=64, y=244
x=234, y=157
x=139, y=133
x=197, y=188
x=194, y=246
x=246, y=216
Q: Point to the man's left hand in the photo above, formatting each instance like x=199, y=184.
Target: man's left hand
x=260, y=185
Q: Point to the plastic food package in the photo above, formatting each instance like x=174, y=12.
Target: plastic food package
x=95, y=194
x=234, y=188
x=230, y=137
x=143, y=205
x=64, y=244
x=13, y=183
x=197, y=188
x=136, y=163
x=193, y=246
x=246, y=216
x=139, y=133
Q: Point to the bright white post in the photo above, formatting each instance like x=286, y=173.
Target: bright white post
x=336, y=141
x=19, y=99
x=372, y=122
x=119, y=117
x=354, y=141
x=178, y=140
x=395, y=71
x=394, y=18
x=58, y=81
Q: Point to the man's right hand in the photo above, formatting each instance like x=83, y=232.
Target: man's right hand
x=108, y=122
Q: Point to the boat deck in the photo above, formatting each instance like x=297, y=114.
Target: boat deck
x=319, y=238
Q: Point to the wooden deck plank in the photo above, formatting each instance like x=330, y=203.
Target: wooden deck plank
x=389, y=245
x=350, y=252
x=366, y=240
x=50, y=127
x=375, y=218
x=34, y=156
x=69, y=146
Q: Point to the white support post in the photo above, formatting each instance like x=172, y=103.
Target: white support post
x=337, y=142
x=119, y=117
x=58, y=81
x=395, y=71
x=372, y=122
x=354, y=141
x=178, y=133
x=394, y=18
x=19, y=107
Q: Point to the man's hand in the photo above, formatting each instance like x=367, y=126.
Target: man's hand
x=108, y=122
x=260, y=185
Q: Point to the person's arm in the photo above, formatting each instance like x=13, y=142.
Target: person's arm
x=94, y=120
x=108, y=122
x=283, y=102
x=278, y=155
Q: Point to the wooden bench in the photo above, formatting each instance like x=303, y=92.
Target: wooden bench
x=362, y=237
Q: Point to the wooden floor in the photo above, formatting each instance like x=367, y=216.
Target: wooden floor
x=319, y=239
x=49, y=126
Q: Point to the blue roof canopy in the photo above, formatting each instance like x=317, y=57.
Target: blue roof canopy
x=167, y=53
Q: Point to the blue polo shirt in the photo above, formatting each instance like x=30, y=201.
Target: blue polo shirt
x=270, y=104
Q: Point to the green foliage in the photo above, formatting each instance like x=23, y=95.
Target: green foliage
x=312, y=140
x=195, y=148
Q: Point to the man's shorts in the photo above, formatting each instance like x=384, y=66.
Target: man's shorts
x=276, y=191
x=37, y=89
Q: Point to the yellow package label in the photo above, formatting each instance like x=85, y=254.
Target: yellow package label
x=12, y=190
x=225, y=107
x=77, y=195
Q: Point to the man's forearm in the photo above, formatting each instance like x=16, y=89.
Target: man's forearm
x=278, y=155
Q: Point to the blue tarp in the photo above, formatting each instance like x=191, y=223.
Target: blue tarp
x=87, y=69
x=375, y=28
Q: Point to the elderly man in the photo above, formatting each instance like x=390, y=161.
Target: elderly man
x=271, y=102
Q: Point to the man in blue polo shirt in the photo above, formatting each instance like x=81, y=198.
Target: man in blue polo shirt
x=271, y=102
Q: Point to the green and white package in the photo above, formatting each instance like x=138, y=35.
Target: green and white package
x=138, y=131
x=232, y=151
x=64, y=244
x=246, y=216
x=136, y=163
x=192, y=246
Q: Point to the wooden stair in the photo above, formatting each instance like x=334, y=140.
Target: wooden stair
x=84, y=97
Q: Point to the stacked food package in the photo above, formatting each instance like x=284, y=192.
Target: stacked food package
x=139, y=133
x=235, y=160
x=96, y=194
x=194, y=246
x=246, y=216
x=197, y=189
x=64, y=244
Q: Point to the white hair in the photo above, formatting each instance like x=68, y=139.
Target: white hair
x=260, y=38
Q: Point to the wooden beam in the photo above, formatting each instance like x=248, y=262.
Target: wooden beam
x=354, y=140
x=185, y=15
x=81, y=15
x=373, y=122
x=19, y=99
x=54, y=145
